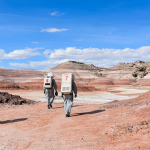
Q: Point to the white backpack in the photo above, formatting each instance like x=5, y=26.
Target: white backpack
x=66, y=84
x=48, y=82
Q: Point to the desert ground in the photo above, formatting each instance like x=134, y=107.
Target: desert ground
x=111, y=111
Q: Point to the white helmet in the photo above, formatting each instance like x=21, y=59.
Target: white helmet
x=50, y=74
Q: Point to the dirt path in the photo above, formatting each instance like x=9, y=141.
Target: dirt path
x=112, y=126
x=33, y=127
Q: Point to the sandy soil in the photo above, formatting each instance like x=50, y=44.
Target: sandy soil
x=116, y=125
x=111, y=126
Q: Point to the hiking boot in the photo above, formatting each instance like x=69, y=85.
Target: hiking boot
x=48, y=106
x=67, y=115
x=51, y=105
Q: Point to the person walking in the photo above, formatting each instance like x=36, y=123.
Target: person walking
x=68, y=98
x=49, y=86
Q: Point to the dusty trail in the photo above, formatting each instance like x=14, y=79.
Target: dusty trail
x=36, y=127
x=111, y=126
x=115, y=125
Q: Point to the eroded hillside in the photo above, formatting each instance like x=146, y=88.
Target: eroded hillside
x=87, y=76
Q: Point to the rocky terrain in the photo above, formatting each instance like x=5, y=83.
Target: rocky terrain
x=139, y=69
x=6, y=98
x=87, y=76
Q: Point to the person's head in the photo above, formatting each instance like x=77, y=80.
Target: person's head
x=50, y=74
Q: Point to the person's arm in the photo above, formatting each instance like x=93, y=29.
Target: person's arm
x=74, y=88
x=54, y=85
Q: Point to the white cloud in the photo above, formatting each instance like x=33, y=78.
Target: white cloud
x=46, y=52
x=20, y=65
x=56, y=13
x=34, y=42
x=99, y=57
x=53, y=30
x=34, y=64
x=19, y=54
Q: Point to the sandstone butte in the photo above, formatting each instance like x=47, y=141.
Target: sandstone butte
x=117, y=125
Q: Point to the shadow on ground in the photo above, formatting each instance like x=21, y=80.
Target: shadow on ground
x=76, y=105
x=12, y=121
x=63, y=106
x=88, y=113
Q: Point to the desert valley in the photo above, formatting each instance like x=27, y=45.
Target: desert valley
x=111, y=111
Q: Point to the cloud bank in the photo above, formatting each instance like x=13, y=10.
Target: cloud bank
x=99, y=57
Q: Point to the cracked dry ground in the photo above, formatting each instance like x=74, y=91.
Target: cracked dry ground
x=119, y=125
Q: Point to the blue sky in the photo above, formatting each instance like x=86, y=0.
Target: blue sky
x=43, y=33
